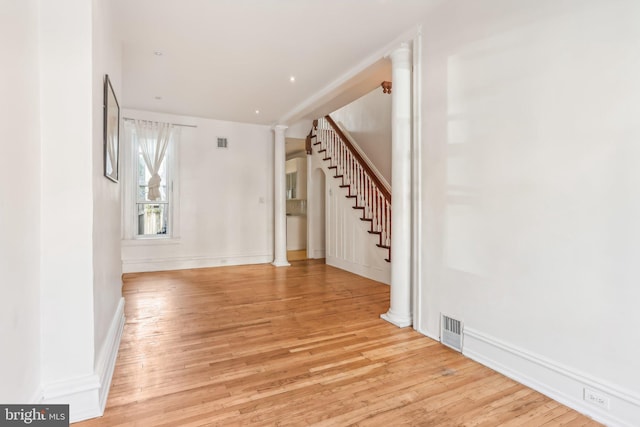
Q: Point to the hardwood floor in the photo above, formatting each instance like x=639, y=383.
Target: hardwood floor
x=298, y=255
x=302, y=345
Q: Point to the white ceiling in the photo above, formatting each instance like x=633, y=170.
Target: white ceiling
x=224, y=59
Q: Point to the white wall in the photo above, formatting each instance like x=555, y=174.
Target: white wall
x=20, y=206
x=296, y=232
x=299, y=129
x=316, y=209
x=225, y=203
x=530, y=200
x=347, y=243
x=296, y=218
x=47, y=255
x=67, y=200
x=368, y=121
x=108, y=303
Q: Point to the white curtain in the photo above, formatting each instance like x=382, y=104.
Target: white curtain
x=153, y=139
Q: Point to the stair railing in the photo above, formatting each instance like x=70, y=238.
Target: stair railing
x=363, y=184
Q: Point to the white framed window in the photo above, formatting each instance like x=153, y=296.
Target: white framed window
x=153, y=217
x=150, y=194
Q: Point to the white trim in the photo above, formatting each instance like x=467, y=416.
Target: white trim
x=151, y=241
x=106, y=361
x=559, y=382
x=81, y=394
x=416, y=215
x=129, y=189
x=369, y=272
x=280, y=264
x=185, y=263
x=399, y=322
x=87, y=396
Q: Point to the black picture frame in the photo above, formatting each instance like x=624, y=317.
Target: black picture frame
x=111, y=132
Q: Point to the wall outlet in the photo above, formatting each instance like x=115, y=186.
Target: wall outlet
x=596, y=398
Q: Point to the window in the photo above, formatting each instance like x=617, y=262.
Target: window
x=150, y=206
x=152, y=217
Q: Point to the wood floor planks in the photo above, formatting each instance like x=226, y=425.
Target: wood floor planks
x=301, y=345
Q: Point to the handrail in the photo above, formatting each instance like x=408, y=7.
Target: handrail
x=361, y=160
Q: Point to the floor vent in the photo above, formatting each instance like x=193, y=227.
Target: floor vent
x=451, y=332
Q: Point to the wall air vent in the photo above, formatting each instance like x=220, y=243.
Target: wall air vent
x=451, y=332
x=222, y=143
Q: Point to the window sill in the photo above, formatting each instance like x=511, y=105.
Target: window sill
x=151, y=241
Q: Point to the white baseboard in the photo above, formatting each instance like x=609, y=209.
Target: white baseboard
x=106, y=362
x=81, y=394
x=184, y=263
x=379, y=274
x=560, y=383
x=317, y=253
x=87, y=396
x=424, y=332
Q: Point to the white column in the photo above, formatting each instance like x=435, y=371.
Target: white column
x=280, y=198
x=400, y=305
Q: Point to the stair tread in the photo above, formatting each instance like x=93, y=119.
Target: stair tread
x=383, y=246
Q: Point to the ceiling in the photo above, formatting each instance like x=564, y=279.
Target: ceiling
x=225, y=59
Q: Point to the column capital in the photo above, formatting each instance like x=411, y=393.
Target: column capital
x=279, y=128
x=401, y=56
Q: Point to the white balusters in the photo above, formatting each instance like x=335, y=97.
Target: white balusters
x=345, y=161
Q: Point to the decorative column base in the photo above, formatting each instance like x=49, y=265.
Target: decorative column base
x=279, y=263
x=399, y=321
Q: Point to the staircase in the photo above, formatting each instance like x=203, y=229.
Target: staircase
x=369, y=194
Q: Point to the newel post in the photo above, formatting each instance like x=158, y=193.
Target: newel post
x=400, y=299
x=280, y=198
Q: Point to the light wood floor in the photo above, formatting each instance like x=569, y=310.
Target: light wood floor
x=259, y=345
x=299, y=255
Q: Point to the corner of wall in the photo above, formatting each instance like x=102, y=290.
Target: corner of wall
x=87, y=395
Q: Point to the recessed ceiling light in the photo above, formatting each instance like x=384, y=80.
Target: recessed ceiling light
x=292, y=79
x=157, y=53
x=257, y=111
x=158, y=97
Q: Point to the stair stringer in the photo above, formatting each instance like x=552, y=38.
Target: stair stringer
x=348, y=244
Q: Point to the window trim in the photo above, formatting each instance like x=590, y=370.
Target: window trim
x=130, y=236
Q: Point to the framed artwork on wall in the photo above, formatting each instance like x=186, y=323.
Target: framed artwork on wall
x=111, y=132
